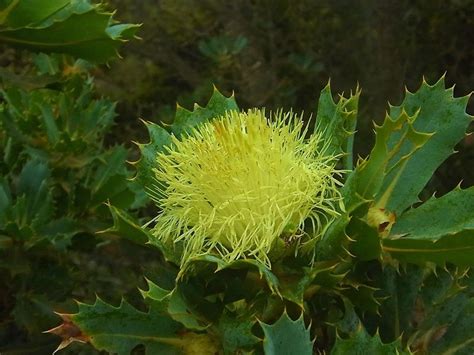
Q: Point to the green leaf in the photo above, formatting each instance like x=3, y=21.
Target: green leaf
x=334, y=242
x=159, y=140
x=349, y=321
x=337, y=123
x=60, y=231
x=33, y=186
x=458, y=337
x=220, y=48
x=5, y=199
x=293, y=284
x=438, y=217
x=399, y=292
x=58, y=26
x=172, y=304
x=361, y=343
x=375, y=178
x=126, y=227
x=50, y=126
x=287, y=336
x=235, y=330
x=217, y=106
x=120, y=329
x=441, y=114
x=367, y=242
x=457, y=249
x=21, y=13
x=113, y=164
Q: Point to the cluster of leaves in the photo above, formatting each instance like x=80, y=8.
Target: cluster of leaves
x=385, y=277
x=57, y=26
x=56, y=172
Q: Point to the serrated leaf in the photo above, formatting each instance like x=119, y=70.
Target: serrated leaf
x=438, y=217
x=337, y=122
x=334, y=242
x=361, y=343
x=113, y=164
x=457, y=249
x=60, y=231
x=159, y=140
x=57, y=26
x=120, y=329
x=362, y=296
x=127, y=227
x=33, y=187
x=217, y=106
x=439, y=113
x=287, y=336
x=171, y=303
x=50, y=126
x=375, y=178
x=366, y=243
x=23, y=13
x=399, y=292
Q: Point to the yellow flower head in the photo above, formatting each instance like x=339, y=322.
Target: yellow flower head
x=238, y=184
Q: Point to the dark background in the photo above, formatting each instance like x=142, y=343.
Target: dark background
x=281, y=53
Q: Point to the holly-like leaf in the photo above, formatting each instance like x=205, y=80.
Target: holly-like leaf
x=127, y=227
x=335, y=241
x=173, y=304
x=121, y=329
x=398, y=292
x=113, y=164
x=440, y=114
x=438, y=217
x=217, y=106
x=336, y=121
x=58, y=26
x=361, y=343
x=287, y=336
x=456, y=248
x=34, y=204
x=159, y=140
x=375, y=178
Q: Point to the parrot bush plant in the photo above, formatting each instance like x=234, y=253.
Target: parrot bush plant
x=275, y=243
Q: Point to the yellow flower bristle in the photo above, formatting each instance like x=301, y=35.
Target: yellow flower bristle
x=236, y=184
